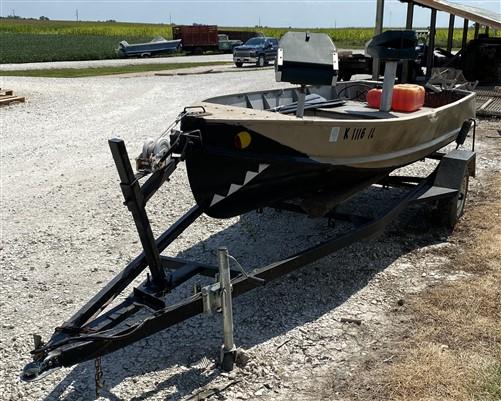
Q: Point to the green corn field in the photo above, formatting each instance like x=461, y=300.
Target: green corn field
x=24, y=41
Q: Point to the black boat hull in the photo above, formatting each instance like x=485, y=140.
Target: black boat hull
x=227, y=182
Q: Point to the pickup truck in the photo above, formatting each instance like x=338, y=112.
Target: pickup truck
x=258, y=50
x=225, y=44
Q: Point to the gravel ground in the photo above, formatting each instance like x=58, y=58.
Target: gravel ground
x=65, y=233
x=116, y=62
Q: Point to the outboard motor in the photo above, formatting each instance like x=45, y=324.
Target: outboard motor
x=392, y=47
x=306, y=58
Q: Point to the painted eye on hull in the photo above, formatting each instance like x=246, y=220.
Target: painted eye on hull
x=242, y=140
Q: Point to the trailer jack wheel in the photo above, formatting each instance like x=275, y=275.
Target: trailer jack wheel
x=228, y=359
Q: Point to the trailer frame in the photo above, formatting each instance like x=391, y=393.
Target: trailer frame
x=93, y=331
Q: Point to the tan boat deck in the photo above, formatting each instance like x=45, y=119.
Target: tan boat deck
x=351, y=110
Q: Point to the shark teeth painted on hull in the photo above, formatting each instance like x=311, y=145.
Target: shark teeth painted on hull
x=249, y=176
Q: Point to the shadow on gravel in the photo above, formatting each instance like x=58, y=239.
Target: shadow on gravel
x=179, y=354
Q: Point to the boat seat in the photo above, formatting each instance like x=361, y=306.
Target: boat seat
x=306, y=58
x=393, y=46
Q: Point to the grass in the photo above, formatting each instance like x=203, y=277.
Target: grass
x=90, y=72
x=454, y=352
x=33, y=40
x=450, y=348
x=29, y=47
x=70, y=40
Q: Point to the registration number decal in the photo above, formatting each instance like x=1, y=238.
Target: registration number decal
x=357, y=134
x=351, y=134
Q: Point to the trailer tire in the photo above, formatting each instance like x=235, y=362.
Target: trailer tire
x=239, y=64
x=260, y=61
x=451, y=209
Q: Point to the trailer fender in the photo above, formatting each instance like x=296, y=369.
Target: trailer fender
x=453, y=167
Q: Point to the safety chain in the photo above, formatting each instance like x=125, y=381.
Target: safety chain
x=98, y=375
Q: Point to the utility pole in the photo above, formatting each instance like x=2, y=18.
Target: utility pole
x=170, y=19
x=76, y=12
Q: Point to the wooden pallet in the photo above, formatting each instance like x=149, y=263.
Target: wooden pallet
x=488, y=101
x=7, y=97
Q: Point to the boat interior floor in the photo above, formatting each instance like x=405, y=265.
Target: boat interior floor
x=346, y=100
x=359, y=110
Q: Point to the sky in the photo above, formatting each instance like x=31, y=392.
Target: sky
x=277, y=13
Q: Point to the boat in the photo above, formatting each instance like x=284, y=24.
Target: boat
x=253, y=149
x=158, y=45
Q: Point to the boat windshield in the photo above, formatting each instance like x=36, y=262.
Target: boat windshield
x=254, y=41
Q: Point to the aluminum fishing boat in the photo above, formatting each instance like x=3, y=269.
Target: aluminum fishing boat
x=158, y=45
x=317, y=143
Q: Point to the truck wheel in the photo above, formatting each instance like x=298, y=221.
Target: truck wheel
x=451, y=209
x=239, y=64
x=260, y=61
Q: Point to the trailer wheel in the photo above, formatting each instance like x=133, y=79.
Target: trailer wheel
x=451, y=209
x=260, y=61
x=239, y=64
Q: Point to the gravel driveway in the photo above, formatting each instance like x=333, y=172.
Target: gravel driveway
x=116, y=62
x=65, y=233
x=122, y=62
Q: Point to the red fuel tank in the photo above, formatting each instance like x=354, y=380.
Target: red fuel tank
x=406, y=97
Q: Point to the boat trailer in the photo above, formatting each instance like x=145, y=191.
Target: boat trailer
x=93, y=331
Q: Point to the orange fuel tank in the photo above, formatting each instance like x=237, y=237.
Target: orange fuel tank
x=406, y=97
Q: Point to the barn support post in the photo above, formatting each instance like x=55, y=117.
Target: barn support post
x=465, y=34
x=378, y=30
x=408, y=25
x=431, y=43
x=450, y=34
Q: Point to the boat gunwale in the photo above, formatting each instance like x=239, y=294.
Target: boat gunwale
x=291, y=119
